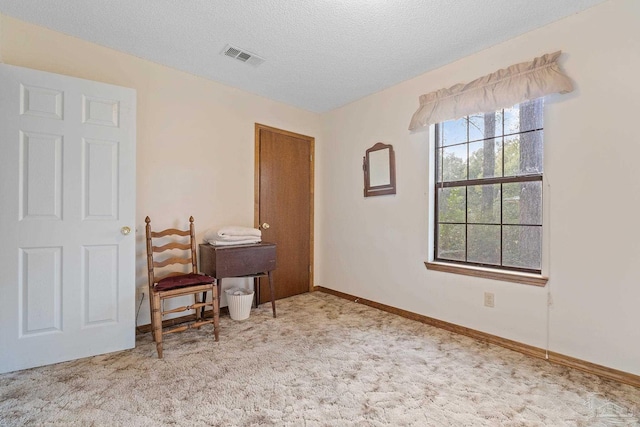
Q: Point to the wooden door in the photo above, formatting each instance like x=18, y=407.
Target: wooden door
x=67, y=185
x=284, y=201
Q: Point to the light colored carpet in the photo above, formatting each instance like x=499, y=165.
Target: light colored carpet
x=323, y=362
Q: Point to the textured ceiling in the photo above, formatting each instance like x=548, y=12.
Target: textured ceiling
x=320, y=54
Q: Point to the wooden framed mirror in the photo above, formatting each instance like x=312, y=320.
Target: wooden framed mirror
x=379, y=166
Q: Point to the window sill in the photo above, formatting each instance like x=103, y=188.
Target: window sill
x=486, y=273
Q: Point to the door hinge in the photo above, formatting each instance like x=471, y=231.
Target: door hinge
x=311, y=157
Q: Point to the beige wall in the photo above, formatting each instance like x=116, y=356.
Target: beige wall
x=375, y=247
x=195, y=137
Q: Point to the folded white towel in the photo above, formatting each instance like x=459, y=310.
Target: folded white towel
x=233, y=235
x=235, y=238
x=234, y=242
x=234, y=230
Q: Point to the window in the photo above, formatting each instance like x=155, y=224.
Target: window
x=488, y=189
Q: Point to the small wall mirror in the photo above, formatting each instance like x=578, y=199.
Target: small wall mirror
x=379, y=165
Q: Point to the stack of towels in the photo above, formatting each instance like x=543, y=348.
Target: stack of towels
x=233, y=235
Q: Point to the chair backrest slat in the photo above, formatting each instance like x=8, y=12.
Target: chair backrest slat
x=170, y=261
x=169, y=232
x=172, y=245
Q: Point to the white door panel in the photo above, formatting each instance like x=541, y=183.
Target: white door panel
x=67, y=187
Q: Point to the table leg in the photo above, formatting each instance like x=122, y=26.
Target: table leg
x=256, y=292
x=273, y=293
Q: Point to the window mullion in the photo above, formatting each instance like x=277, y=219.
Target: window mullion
x=489, y=181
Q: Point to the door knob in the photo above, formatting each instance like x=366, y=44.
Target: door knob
x=125, y=230
x=265, y=226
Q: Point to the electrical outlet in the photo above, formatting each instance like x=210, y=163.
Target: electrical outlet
x=489, y=299
x=140, y=292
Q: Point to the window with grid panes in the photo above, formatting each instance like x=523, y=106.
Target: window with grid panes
x=488, y=195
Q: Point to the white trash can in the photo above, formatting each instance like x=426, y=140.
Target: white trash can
x=239, y=301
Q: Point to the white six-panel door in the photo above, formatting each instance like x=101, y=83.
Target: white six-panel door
x=67, y=189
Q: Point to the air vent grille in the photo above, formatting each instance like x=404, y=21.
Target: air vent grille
x=232, y=52
x=242, y=55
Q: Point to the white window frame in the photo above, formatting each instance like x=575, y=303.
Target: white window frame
x=486, y=272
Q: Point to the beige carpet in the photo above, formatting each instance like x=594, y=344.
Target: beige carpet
x=323, y=362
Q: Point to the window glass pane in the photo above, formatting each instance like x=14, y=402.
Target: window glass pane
x=522, y=203
x=484, y=244
x=522, y=246
x=511, y=154
x=451, y=242
x=451, y=204
x=482, y=126
x=483, y=204
x=454, y=132
x=485, y=159
x=523, y=154
x=523, y=117
x=454, y=163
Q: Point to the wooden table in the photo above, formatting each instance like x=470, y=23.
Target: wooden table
x=255, y=260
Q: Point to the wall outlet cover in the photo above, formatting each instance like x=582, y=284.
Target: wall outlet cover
x=489, y=299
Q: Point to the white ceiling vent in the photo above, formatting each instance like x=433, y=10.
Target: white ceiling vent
x=242, y=55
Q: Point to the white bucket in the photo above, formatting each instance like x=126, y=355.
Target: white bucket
x=239, y=301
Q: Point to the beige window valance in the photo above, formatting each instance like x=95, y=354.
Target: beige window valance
x=502, y=89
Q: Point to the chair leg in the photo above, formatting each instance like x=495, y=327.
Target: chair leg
x=156, y=317
x=152, y=314
x=216, y=312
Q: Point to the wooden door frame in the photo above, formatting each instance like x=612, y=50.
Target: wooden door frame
x=256, y=186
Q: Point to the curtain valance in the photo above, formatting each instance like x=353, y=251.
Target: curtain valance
x=502, y=89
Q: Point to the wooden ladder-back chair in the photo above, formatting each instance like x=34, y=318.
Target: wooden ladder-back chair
x=178, y=283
